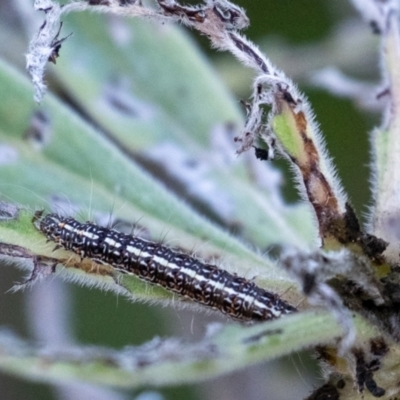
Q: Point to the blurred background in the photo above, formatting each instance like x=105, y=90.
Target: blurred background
x=303, y=38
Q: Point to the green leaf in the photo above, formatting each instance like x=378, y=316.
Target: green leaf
x=154, y=94
x=81, y=170
x=385, y=214
x=172, y=362
x=82, y=167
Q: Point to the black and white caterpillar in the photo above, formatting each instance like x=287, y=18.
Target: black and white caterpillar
x=158, y=264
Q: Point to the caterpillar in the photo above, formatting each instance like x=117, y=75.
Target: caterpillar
x=158, y=264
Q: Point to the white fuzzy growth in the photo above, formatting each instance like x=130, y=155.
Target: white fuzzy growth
x=322, y=267
x=114, y=7
x=325, y=295
x=43, y=5
x=40, y=47
x=264, y=87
